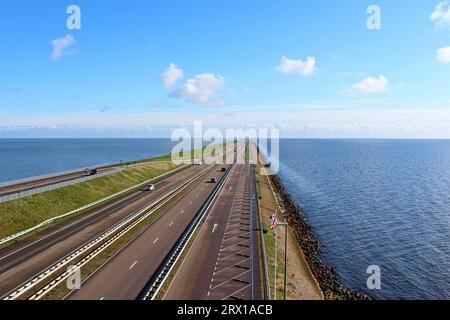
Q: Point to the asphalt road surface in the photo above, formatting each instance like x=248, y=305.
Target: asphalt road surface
x=224, y=262
x=126, y=274
x=27, y=258
x=44, y=182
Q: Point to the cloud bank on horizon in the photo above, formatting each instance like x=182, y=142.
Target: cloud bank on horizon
x=297, y=70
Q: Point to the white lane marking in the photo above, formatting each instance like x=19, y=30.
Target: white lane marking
x=196, y=195
x=190, y=202
x=1, y=274
x=156, y=240
x=132, y=266
x=182, y=211
x=171, y=224
x=215, y=227
x=102, y=298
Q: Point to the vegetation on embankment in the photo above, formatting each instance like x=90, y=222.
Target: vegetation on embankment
x=306, y=238
x=274, y=195
x=27, y=212
x=301, y=284
x=167, y=157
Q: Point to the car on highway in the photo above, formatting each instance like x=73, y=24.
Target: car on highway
x=150, y=187
x=213, y=180
x=90, y=172
x=224, y=169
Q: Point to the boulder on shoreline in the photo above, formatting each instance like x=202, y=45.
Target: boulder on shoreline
x=326, y=275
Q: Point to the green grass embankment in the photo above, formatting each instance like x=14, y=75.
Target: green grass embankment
x=27, y=212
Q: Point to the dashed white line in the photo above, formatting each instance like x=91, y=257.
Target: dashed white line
x=171, y=224
x=102, y=298
x=132, y=266
x=156, y=240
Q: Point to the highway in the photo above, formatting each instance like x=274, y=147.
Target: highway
x=45, y=182
x=127, y=273
x=27, y=258
x=223, y=262
x=31, y=263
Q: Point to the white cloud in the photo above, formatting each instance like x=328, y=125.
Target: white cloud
x=370, y=85
x=300, y=67
x=202, y=89
x=356, y=123
x=171, y=75
x=61, y=46
x=443, y=55
x=441, y=15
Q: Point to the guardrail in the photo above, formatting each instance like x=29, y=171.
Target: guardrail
x=47, y=176
x=95, y=203
x=107, y=238
x=261, y=234
x=54, y=186
x=155, y=284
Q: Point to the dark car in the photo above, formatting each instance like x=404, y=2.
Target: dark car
x=213, y=180
x=89, y=172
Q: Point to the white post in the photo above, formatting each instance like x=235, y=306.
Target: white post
x=275, y=266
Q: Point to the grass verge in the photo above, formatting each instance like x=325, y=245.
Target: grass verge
x=92, y=266
x=301, y=283
x=27, y=212
x=267, y=205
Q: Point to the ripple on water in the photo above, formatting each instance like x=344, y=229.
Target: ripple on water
x=377, y=202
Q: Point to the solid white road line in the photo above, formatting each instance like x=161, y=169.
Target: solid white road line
x=1, y=274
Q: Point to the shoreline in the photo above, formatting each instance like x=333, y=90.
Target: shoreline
x=308, y=241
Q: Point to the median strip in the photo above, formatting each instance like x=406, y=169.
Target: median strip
x=155, y=284
x=91, y=205
x=119, y=230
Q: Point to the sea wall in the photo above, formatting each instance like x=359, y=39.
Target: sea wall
x=326, y=275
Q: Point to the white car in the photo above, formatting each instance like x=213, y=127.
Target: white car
x=150, y=187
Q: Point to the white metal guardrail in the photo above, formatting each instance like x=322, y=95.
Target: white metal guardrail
x=47, y=222
x=47, y=176
x=54, y=186
x=152, y=289
x=261, y=235
x=113, y=234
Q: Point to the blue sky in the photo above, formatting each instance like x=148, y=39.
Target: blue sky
x=339, y=78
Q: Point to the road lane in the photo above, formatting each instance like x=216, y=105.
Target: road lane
x=150, y=248
x=223, y=262
x=25, y=259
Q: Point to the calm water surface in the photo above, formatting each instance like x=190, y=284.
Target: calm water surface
x=384, y=203
x=22, y=158
x=371, y=202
